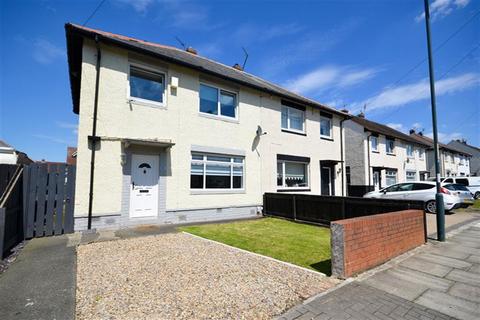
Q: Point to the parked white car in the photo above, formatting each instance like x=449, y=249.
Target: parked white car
x=418, y=190
x=472, y=183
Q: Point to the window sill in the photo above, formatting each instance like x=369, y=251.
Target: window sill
x=217, y=191
x=294, y=132
x=293, y=189
x=216, y=117
x=146, y=103
x=326, y=138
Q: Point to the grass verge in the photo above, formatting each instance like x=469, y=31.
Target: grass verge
x=304, y=245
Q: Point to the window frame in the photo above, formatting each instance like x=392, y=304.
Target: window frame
x=330, y=120
x=412, y=149
x=219, y=89
x=392, y=152
x=387, y=176
x=421, y=154
x=371, y=144
x=205, y=162
x=288, y=129
x=307, y=174
x=414, y=175
x=147, y=69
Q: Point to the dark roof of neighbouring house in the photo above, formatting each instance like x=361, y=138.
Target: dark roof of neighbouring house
x=463, y=144
x=76, y=33
x=379, y=128
x=429, y=141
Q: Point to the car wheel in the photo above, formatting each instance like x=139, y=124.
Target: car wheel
x=431, y=206
x=477, y=195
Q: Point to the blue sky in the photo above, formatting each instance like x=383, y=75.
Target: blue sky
x=341, y=53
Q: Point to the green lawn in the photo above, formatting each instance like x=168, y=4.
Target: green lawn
x=304, y=245
x=476, y=204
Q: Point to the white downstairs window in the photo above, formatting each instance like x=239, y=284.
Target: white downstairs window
x=292, y=173
x=210, y=171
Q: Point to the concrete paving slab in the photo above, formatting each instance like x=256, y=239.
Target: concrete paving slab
x=441, y=251
x=389, y=282
x=467, y=243
x=427, y=267
x=450, y=305
x=455, y=247
x=466, y=291
x=471, y=278
x=474, y=258
x=40, y=284
x=421, y=278
x=445, y=261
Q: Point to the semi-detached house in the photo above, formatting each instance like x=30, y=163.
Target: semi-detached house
x=453, y=161
x=168, y=136
x=379, y=156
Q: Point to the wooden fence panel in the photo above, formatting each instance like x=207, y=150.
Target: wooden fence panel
x=60, y=200
x=325, y=209
x=50, y=194
x=41, y=199
x=32, y=199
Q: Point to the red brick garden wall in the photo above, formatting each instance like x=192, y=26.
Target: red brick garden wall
x=361, y=243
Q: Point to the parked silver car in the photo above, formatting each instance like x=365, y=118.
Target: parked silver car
x=418, y=190
x=462, y=192
x=472, y=183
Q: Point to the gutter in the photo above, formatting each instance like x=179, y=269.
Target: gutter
x=93, y=138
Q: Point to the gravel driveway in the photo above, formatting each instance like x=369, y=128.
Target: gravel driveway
x=179, y=276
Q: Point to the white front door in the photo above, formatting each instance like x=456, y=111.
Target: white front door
x=144, y=186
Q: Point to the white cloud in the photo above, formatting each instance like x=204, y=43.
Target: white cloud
x=402, y=95
x=46, y=52
x=417, y=126
x=306, y=48
x=53, y=139
x=66, y=125
x=446, y=137
x=397, y=126
x=138, y=5
x=328, y=77
x=442, y=8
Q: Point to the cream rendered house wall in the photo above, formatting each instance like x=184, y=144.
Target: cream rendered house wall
x=181, y=122
x=381, y=158
x=399, y=160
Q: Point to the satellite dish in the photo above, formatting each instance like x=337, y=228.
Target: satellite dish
x=260, y=131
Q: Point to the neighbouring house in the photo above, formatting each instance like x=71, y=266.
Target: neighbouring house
x=378, y=156
x=8, y=155
x=453, y=161
x=175, y=137
x=474, y=151
x=71, y=156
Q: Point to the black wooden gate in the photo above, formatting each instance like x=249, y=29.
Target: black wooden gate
x=48, y=199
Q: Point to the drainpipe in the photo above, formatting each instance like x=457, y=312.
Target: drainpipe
x=93, y=138
x=368, y=154
x=341, y=156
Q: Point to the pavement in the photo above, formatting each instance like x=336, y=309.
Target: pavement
x=40, y=283
x=452, y=220
x=435, y=281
